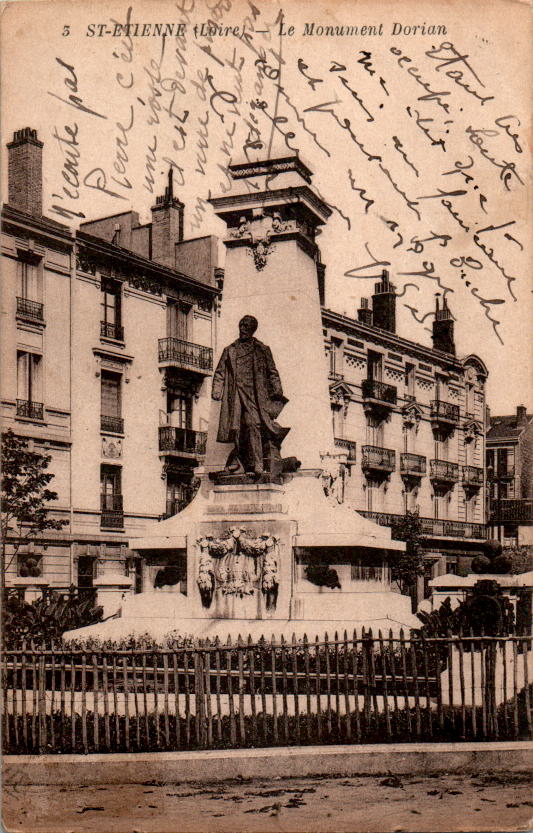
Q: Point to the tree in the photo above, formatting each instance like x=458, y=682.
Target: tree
x=25, y=498
x=407, y=566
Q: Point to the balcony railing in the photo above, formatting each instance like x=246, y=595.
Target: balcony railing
x=30, y=309
x=433, y=527
x=379, y=392
x=378, y=459
x=114, y=424
x=444, y=471
x=473, y=476
x=412, y=464
x=112, y=516
x=30, y=410
x=501, y=474
x=347, y=445
x=182, y=440
x=512, y=511
x=186, y=355
x=114, y=331
x=444, y=412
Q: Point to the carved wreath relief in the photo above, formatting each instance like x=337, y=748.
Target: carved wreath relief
x=236, y=563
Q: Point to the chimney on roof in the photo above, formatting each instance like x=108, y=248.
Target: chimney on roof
x=521, y=415
x=25, y=172
x=364, y=313
x=384, y=304
x=167, y=224
x=443, y=328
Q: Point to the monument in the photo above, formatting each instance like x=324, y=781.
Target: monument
x=261, y=549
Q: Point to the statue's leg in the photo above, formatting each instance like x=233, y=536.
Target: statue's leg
x=252, y=447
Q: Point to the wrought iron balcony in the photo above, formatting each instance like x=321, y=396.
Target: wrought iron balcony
x=473, y=476
x=182, y=441
x=379, y=392
x=185, y=355
x=444, y=412
x=512, y=511
x=112, y=516
x=433, y=527
x=379, y=459
x=347, y=445
x=112, y=423
x=33, y=310
x=30, y=410
x=114, y=331
x=412, y=465
x=444, y=472
x=501, y=474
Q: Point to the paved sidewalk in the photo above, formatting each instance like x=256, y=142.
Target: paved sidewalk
x=372, y=804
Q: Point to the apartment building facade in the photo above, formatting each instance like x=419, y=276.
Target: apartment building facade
x=411, y=422
x=107, y=339
x=510, y=478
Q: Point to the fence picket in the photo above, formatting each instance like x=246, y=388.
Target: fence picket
x=84, y=704
x=473, y=683
x=372, y=667
x=62, y=687
x=72, y=702
x=251, y=666
x=484, y=688
x=23, y=697
x=126, y=704
x=308, y=717
x=328, y=684
x=284, y=690
x=187, y=698
x=429, y=717
x=515, y=688
x=155, y=668
x=34, y=697
x=242, y=727
x=207, y=693
x=295, y=689
x=527, y=697
x=355, y=669
x=145, y=700
x=462, y=687
x=175, y=675
x=136, y=700
x=166, y=721
x=347, y=716
x=394, y=681
x=318, y=690
x=217, y=684
x=263, y=692
x=337, y=682
x=42, y=704
x=274, y=690
x=105, y=688
x=450, y=678
x=414, y=672
x=503, y=647
x=386, y=711
x=14, y=705
x=231, y=704
x=96, y=739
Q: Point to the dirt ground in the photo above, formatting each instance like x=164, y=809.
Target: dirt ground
x=353, y=805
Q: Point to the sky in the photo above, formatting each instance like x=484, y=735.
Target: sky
x=416, y=137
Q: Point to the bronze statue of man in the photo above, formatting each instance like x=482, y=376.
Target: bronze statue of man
x=248, y=385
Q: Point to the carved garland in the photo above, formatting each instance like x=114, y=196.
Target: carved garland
x=232, y=577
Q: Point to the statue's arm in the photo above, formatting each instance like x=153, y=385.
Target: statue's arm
x=276, y=391
x=217, y=387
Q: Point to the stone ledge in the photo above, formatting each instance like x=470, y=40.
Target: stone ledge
x=297, y=762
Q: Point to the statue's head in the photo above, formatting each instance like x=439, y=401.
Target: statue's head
x=247, y=326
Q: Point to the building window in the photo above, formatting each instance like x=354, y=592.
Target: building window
x=442, y=445
x=335, y=359
x=374, y=494
x=470, y=402
x=441, y=504
x=441, y=384
x=179, y=410
x=111, y=322
x=178, y=320
x=111, y=496
x=29, y=385
x=374, y=366
x=111, y=404
x=86, y=566
x=409, y=379
x=503, y=461
x=179, y=492
x=375, y=431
